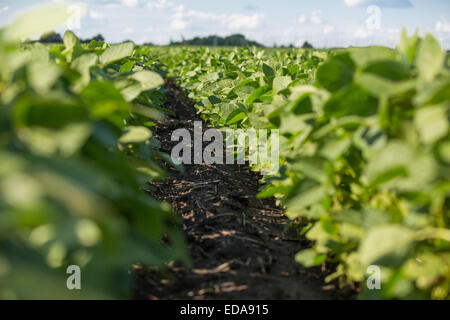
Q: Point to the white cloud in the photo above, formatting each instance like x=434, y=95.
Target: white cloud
x=5, y=8
x=178, y=25
x=380, y=3
x=130, y=3
x=352, y=3
x=95, y=15
x=328, y=28
x=128, y=30
x=178, y=22
x=393, y=31
x=178, y=18
x=111, y=6
x=442, y=26
x=160, y=4
x=316, y=17
x=201, y=15
x=239, y=21
x=362, y=33
x=301, y=19
x=181, y=19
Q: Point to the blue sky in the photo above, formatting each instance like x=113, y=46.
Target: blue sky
x=325, y=23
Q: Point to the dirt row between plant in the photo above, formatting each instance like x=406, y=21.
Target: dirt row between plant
x=236, y=241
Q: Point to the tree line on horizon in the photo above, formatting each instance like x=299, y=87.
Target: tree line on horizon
x=54, y=37
x=234, y=40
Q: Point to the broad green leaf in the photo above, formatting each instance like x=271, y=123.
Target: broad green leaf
x=73, y=48
x=127, y=67
x=388, y=69
x=444, y=151
x=387, y=245
x=395, y=155
x=141, y=81
x=214, y=99
x=135, y=134
x=354, y=101
x=268, y=71
x=432, y=123
x=369, y=139
x=281, y=83
x=83, y=64
x=36, y=112
x=256, y=94
x=334, y=148
x=434, y=92
x=336, y=73
x=300, y=98
x=306, y=197
x=42, y=75
x=408, y=45
x=148, y=79
x=236, y=118
x=425, y=269
x=104, y=100
x=400, y=166
x=116, y=52
x=309, y=258
x=366, y=56
x=66, y=141
x=430, y=58
x=314, y=168
x=148, y=112
x=380, y=87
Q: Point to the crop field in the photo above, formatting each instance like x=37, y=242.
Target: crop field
x=87, y=178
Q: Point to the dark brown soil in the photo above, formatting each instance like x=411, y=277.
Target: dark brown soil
x=237, y=243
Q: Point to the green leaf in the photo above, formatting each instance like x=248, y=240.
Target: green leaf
x=214, y=99
x=127, y=67
x=334, y=148
x=434, y=92
x=256, y=94
x=116, y=52
x=306, y=197
x=42, y=75
x=281, y=83
x=66, y=141
x=388, y=69
x=365, y=56
x=148, y=79
x=83, y=64
x=309, y=258
x=41, y=112
x=395, y=155
x=236, y=118
x=387, y=245
x=141, y=81
x=381, y=87
x=336, y=73
x=444, y=151
x=314, y=168
x=104, y=100
x=399, y=166
x=408, y=45
x=351, y=101
x=432, y=123
x=135, y=134
x=430, y=58
x=73, y=48
x=268, y=71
